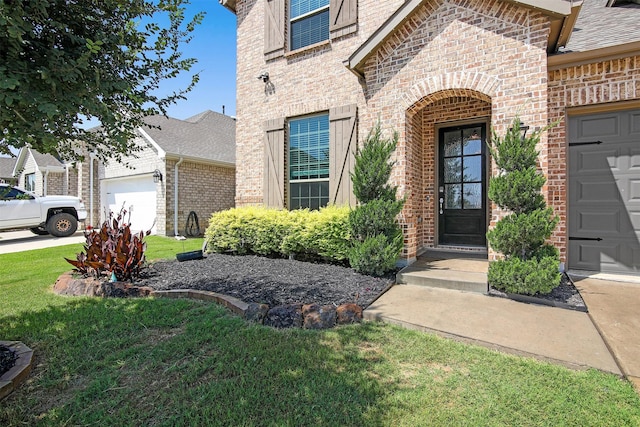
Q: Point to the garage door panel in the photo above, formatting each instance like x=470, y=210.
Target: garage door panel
x=602, y=161
x=138, y=196
x=634, y=119
x=608, y=125
x=604, y=192
x=599, y=190
x=600, y=223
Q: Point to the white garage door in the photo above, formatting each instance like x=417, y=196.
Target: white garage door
x=604, y=192
x=138, y=196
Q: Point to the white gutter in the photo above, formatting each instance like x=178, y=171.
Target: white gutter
x=175, y=197
x=46, y=182
x=91, y=159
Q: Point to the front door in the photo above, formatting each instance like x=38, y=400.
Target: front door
x=462, y=186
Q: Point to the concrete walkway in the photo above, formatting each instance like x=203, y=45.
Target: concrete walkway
x=24, y=240
x=614, y=308
x=558, y=335
x=605, y=338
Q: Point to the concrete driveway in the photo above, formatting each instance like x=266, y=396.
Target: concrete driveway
x=24, y=240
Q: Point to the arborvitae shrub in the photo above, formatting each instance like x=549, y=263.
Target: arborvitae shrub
x=376, y=255
x=529, y=266
x=376, y=235
x=529, y=277
x=373, y=167
x=373, y=218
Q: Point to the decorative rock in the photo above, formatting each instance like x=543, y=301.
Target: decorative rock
x=122, y=290
x=81, y=286
x=348, y=313
x=284, y=316
x=89, y=286
x=256, y=312
x=319, y=317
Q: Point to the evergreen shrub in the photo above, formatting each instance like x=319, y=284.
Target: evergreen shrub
x=529, y=265
x=376, y=255
x=376, y=235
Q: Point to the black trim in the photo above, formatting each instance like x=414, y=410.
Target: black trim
x=595, y=239
x=575, y=144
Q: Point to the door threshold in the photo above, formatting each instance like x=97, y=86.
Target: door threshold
x=450, y=251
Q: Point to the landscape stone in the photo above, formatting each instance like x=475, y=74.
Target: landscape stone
x=348, y=313
x=67, y=284
x=256, y=312
x=318, y=317
x=284, y=316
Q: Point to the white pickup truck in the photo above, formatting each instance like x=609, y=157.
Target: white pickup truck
x=55, y=215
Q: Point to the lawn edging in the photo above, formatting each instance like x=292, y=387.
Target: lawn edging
x=11, y=379
x=307, y=316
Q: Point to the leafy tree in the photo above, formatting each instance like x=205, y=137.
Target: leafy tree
x=529, y=266
x=64, y=62
x=377, y=237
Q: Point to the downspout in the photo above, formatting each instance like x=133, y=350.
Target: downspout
x=175, y=197
x=91, y=158
x=46, y=182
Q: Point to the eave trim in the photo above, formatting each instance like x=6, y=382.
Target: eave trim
x=552, y=8
x=574, y=59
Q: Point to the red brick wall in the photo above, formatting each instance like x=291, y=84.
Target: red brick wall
x=600, y=84
x=469, y=57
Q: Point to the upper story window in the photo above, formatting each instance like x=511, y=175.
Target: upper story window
x=291, y=25
x=309, y=22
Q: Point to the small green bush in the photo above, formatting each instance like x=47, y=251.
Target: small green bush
x=522, y=234
x=375, y=217
x=376, y=255
x=528, y=277
x=301, y=233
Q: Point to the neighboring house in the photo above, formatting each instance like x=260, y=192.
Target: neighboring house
x=44, y=174
x=183, y=166
x=314, y=76
x=7, y=165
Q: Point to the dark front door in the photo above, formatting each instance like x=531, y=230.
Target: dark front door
x=462, y=186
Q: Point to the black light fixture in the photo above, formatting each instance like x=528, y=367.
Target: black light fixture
x=157, y=176
x=264, y=76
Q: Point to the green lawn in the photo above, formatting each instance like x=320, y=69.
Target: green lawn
x=183, y=363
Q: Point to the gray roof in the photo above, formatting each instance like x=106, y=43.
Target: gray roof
x=6, y=166
x=600, y=26
x=207, y=136
x=45, y=160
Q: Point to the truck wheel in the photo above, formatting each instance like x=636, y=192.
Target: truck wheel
x=62, y=225
x=39, y=231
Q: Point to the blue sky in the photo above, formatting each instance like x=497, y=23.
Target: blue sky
x=214, y=46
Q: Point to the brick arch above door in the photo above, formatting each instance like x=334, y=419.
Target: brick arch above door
x=447, y=85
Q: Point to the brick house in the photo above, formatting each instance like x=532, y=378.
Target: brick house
x=314, y=76
x=43, y=174
x=183, y=166
x=7, y=164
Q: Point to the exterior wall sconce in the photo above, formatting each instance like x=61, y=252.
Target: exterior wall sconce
x=157, y=176
x=264, y=76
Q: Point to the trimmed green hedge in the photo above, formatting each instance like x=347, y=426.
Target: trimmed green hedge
x=305, y=234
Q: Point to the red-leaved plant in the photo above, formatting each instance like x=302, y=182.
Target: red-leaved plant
x=112, y=249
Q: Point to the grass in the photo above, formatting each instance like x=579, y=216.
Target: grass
x=183, y=363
